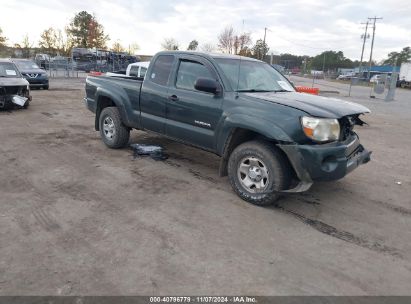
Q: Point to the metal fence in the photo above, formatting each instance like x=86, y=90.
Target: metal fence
x=83, y=61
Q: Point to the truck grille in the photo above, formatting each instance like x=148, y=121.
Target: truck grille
x=12, y=90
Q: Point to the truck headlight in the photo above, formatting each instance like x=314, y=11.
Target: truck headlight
x=321, y=129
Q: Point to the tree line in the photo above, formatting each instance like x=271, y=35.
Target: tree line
x=85, y=31
x=231, y=42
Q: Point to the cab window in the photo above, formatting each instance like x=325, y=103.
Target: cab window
x=188, y=72
x=161, y=69
x=134, y=71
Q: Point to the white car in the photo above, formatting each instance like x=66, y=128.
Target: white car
x=375, y=78
x=346, y=76
x=378, y=78
x=137, y=69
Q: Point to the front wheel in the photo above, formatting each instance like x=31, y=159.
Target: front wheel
x=257, y=171
x=114, y=134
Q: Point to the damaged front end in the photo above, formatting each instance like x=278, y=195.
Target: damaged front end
x=328, y=161
x=14, y=92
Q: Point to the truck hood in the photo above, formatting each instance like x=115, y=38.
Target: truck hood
x=312, y=104
x=15, y=81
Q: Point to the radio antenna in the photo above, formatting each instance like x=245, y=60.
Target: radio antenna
x=239, y=65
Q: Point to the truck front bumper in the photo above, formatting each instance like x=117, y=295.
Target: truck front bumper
x=325, y=162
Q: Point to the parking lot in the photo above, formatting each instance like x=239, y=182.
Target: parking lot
x=77, y=218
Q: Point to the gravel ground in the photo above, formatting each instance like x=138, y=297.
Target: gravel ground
x=77, y=218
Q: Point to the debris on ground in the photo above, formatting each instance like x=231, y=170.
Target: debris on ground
x=398, y=183
x=20, y=101
x=155, y=152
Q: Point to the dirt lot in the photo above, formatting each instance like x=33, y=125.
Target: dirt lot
x=77, y=218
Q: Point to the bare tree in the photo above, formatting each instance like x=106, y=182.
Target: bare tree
x=226, y=40
x=117, y=47
x=133, y=48
x=26, y=46
x=208, y=47
x=241, y=43
x=64, y=45
x=48, y=41
x=170, y=44
x=2, y=39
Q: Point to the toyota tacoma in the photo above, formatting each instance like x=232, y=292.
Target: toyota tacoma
x=271, y=139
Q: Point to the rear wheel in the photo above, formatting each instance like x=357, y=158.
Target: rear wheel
x=258, y=171
x=114, y=134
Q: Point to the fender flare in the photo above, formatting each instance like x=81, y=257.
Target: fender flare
x=244, y=121
x=252, y=123
x=118, y=97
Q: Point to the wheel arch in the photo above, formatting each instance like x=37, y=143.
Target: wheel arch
x=240, y=134
x=105, y=100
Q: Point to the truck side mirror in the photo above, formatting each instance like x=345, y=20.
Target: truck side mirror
x=207, y=85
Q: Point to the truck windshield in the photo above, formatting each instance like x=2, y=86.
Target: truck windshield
x=255, y=76
x=8, y=69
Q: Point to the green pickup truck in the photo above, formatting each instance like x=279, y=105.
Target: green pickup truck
x=271, y=139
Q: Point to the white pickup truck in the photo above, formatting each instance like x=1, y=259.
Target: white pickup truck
x=137, y=69
x=404, y=79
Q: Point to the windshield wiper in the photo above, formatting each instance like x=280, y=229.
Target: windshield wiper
x=261, y=91
x=282, y=90
x=253, y=91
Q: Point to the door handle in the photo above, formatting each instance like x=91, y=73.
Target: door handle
x=173, y=98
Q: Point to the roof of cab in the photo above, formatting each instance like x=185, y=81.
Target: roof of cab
x=208, y=55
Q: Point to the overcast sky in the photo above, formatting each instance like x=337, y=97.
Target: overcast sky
x=302, y=27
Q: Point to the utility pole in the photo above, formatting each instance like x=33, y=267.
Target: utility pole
x=363, y=46
x=265, y=34
x=372, y=43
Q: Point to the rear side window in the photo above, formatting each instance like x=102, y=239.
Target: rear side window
x=134, y=71
x=161, y=69
x=188, y=72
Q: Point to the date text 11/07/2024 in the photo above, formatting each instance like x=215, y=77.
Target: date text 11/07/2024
x=203, y=299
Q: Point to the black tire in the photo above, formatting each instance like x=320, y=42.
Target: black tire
x=275, y=163
x=403, y=84
x=27, y=104
x=46, y=87
x=121, y=134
